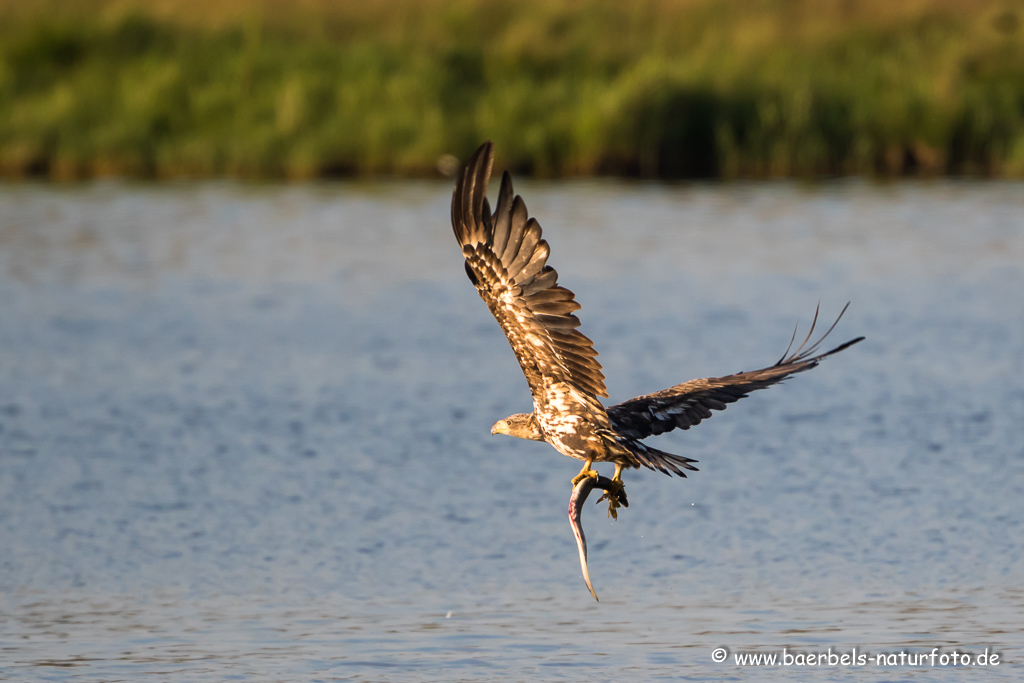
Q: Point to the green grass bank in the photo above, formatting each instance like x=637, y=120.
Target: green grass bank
x=659, y=88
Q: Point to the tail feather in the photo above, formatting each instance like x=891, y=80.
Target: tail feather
x=653, y=459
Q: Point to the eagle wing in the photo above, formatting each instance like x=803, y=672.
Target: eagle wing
x=506, y=260
x=685, y=405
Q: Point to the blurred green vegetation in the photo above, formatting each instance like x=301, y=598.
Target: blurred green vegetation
x=656, y=88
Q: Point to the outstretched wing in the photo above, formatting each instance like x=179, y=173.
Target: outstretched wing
x=507, y=261
x=685, y=405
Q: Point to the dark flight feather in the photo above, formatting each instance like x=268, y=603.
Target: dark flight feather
x=687, y=404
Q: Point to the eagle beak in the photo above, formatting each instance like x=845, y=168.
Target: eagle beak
x=500, y=427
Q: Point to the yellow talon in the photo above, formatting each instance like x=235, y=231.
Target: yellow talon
x=584, y=473
x=614, y=496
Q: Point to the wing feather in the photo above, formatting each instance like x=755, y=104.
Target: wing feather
x=536, y=262
x=687, y=404
x=502, y=215
x=552, y=295
x=506, y=259
x=518, y=218
x=530, y=241
x=554, y=307
x=547, y=279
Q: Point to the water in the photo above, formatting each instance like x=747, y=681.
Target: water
x=244, y=435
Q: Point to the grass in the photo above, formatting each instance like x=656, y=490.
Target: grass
x=659, y=88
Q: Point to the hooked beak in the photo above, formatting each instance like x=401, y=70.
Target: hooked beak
x=500, y=427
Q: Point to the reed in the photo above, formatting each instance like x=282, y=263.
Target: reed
x=661, y=88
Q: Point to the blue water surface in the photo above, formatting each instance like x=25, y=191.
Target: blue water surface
x=244, y=435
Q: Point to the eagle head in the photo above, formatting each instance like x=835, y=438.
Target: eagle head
x=520, y=425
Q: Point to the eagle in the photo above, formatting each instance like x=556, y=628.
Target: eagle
x=507, y=261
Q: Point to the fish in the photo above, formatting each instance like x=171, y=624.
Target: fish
x=579, y=496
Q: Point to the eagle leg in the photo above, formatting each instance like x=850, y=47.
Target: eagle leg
x=615, y=493
x=586, y=472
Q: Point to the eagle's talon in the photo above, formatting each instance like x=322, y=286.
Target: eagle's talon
x=616, y=497
x=593, y=474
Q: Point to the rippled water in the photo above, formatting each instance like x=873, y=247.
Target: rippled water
x=244, y=435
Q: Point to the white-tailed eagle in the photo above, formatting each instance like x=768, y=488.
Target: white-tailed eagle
x=506, y=259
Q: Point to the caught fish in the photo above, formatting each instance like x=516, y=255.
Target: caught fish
x=576, y=501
